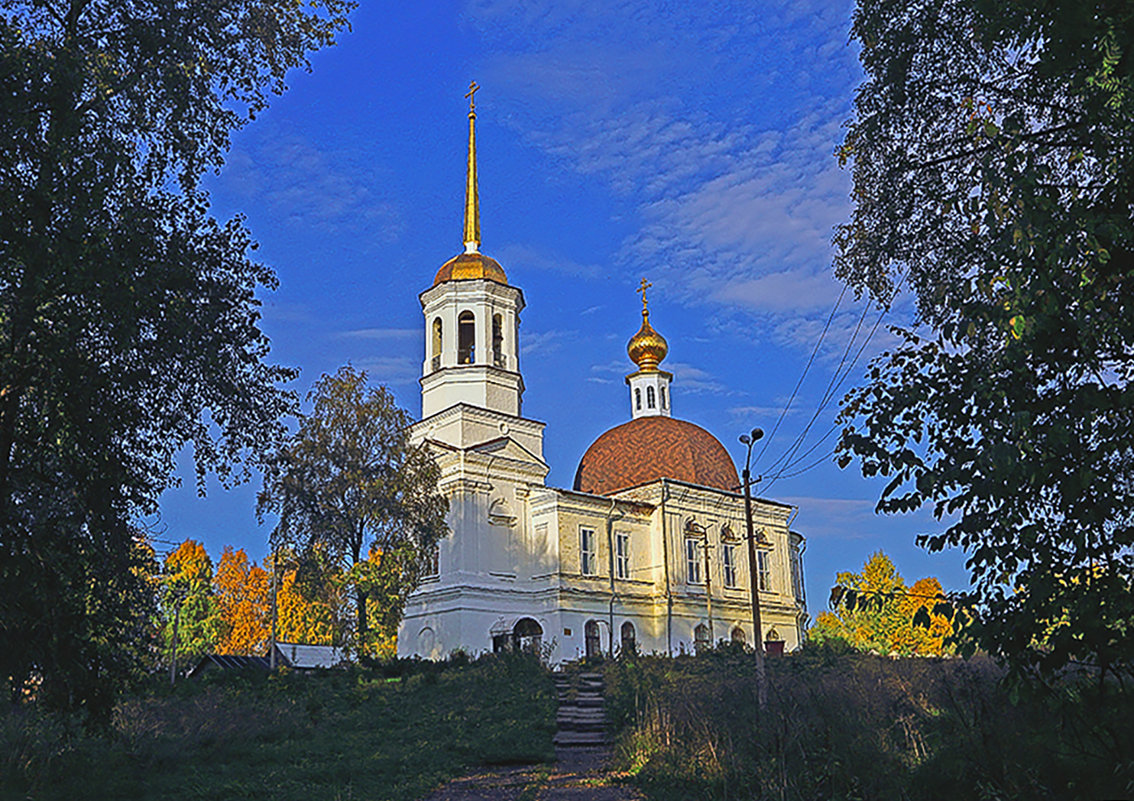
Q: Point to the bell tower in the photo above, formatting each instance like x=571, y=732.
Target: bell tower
x=472, y=320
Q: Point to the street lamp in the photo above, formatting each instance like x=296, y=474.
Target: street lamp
x=761, y=677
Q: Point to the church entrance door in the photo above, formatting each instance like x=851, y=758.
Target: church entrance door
x=527, y=635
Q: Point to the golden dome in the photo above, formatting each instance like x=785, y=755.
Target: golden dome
x=647, y=348
x=470, y=265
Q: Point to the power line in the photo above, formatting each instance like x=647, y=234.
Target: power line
x=806, y=367
x=790, y=458
x=788, y=454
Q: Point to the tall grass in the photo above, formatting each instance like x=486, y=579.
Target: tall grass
x=853, y=726
x=391, y=733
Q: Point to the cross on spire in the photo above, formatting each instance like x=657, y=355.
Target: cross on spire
x=645, y=303
x=471, y=95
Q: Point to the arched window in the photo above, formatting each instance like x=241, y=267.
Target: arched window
x=701, y=638
x=466, y=338
x=637, y=398
x=738, y=635
x=651, y=402
x=662, y=391
x=629, y=643
x=591, y=638
x=498, y=340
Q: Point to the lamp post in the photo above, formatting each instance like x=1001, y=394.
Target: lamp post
x=757, y=633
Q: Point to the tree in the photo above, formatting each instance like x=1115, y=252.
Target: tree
x=875, y=611
x=348, y=485
x=190, y=606
x=129, y=325
x=303, y=619
x=242, y=591
x=993, y=160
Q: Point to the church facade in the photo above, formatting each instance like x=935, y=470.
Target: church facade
x=645, y=552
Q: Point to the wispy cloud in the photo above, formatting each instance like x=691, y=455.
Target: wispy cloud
x=543, y=341
x=390, y=369
x=735, y=201
x=527, y=256
x=379, y=333
x=303, y=186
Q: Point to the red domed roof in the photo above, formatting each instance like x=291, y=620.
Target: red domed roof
x=650, y=448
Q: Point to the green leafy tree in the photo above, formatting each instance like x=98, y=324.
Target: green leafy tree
x=129, y=325
x=191, y=606
x=349, y=485
x=993, y=154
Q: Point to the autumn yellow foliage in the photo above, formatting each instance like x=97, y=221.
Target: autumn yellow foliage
x=243, y=593
x=882, y=619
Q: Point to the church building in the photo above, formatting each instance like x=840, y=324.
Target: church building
x=645, y=552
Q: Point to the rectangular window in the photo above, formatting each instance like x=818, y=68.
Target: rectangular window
x=433, y=568
x=622, y=556
x=692, y=561
x=728, y=560
x=763, y=574
x=588, y=559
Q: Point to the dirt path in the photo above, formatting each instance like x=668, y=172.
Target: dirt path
x=579, y=774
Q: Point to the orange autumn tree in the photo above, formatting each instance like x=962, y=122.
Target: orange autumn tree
x=243, y=595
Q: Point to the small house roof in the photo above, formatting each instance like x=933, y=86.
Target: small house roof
x=305, y=657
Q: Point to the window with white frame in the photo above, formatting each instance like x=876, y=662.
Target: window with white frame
x=433, y=567
x=763, y=571
x=692, y=561
x=588, y=558
x=622, y=556
x=728, y=562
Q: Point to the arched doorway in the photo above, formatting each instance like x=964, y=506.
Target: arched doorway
x=527, y=635
x=629, y=640
x=701, y=638
x=591, y=639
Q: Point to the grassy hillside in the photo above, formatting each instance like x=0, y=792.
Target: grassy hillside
x=334, y=735
x=853, y=726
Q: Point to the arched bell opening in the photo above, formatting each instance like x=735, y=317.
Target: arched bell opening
x=498, y=341
x=466, y=338
x=437, y=343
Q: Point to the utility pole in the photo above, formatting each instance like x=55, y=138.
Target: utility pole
x=275, y=611
x=176, y=626
x=757, y=629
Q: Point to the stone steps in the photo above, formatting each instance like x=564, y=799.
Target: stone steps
x=581, y=719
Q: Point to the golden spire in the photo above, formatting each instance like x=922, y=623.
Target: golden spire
x=472, y=201
x=646, y=348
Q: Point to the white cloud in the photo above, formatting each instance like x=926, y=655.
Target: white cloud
x=379, y=333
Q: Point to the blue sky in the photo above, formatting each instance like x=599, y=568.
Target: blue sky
x=688, y=143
